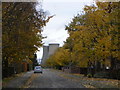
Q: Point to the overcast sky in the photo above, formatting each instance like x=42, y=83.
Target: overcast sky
x=64, y=11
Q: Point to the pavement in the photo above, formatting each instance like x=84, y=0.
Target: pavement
x=92, y=82
x=18, y=82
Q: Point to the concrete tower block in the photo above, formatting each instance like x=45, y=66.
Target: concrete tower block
x=45, y=53
x=52, y=49
x=48, y=51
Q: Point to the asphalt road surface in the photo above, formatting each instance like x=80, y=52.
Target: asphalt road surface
x=51, y=79
x=57, y=79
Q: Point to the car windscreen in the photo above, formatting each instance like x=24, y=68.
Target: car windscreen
x=37, y=67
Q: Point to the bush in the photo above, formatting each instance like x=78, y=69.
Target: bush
x=102, y=75
x=89, y=75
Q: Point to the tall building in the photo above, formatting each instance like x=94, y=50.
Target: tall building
x=45, y=53
x=48, y=51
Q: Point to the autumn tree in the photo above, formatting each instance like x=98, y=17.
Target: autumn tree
x=92, y=35
x=21, y=31
x=59, y=59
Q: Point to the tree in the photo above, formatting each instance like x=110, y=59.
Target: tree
x=92, y=34
x=22, y=26
x=93, y=37
x=59, y=59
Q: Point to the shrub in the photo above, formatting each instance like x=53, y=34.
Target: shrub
x=102, y=75
x=89, y=75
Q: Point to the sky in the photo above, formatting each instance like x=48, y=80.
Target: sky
x=64, y=11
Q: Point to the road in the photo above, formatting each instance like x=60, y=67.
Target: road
x=57, y=79
x=51, y=79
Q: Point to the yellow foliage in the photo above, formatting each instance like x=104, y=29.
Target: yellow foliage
x=93, y=36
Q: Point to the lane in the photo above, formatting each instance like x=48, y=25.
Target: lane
x=52, y=79
x=58, y=79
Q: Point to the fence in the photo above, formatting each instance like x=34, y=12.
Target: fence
x=78, y=70
x=15, y=69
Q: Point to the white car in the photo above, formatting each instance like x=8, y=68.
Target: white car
x=38, y=69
